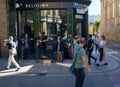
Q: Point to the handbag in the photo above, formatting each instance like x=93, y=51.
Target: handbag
x=13, y=51
x=59, y=56
x=72, y=67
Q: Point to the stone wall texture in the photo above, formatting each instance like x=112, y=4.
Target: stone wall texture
x=110, y=20
x=3, y=27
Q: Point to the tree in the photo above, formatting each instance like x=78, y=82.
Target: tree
x=96, y=26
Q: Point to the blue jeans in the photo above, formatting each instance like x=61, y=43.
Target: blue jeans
x=56, y=55
x=38, y=52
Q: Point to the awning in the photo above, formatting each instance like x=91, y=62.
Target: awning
x=87, y=2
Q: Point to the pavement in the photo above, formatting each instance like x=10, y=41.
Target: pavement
x=30, y=67
x=58, y=73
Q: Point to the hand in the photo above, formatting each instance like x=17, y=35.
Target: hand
x=75, y=40
x=89, y=70
x=6, y=40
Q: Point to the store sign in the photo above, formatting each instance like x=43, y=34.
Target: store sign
x=36, y=5
x=54, y=5
x=79, y=16
x=82, y=10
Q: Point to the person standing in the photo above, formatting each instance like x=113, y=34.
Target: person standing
x=102, y=48
x=90, y=47
x=39, y=46
x=11, y=44
x=58, y=49
x=69, y=42
x=97, y=40
x=81, y=61
x=26, y=47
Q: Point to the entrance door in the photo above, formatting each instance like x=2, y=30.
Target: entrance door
x=79, y=29
x=54, y=24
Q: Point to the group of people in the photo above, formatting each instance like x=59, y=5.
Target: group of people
x=34, y=47
x=79, y=53
x=31, y=45
x=99, y=43
x=80, y=58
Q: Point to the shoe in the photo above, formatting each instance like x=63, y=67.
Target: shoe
x=105, y=64
x=37, y=61
x=97, y=64
x=17, y=69
x=7, y=68
x=95, y=60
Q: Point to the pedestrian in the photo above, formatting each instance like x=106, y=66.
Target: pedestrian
x=97, y=40
x=69, y=43
x=81, y=61
x=58, y=51
x=39, y=46
x=11, y=45
x=90, y=48
x=102, y=49
x=26, y=44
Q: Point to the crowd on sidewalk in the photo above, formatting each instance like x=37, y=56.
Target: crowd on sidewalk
x=65, y=46
x=79, y=55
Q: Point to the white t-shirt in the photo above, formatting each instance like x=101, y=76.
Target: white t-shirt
x=102, y=44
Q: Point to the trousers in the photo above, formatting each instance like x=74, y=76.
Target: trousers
x=11, y=59
x=90, y=56
x=80, y=76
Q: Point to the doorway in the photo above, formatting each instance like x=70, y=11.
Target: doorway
x=54, y=23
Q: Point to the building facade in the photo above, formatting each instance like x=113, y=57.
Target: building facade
x=3, y=26
x=49, y=16
x=110, y=19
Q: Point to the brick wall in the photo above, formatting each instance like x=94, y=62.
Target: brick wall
x=110, y=25
x=3, y=27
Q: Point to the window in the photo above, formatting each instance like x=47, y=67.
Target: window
x=48, y=12
x=108, y=13
x=113, y=7
x=118, y=7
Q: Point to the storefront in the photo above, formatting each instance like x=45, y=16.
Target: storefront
x=55, y=18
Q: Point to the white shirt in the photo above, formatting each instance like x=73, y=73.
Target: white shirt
x=102, y=44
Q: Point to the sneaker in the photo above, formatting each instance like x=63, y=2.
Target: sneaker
x=17, y=69
x=7, y=68
x=95, y=61
x=97, y=64
x=105, y=64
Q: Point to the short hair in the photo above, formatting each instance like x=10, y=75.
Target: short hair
x=76, y=37
x=11, y=37
x=82, y=40
x=103, y=37
x=90, y=35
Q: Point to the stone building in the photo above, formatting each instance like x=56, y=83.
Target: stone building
x=3, y=26
x=45, y=16
x=91, y=28
x=110, y=19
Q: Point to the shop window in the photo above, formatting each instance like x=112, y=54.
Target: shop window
x=108, y=13
x=113, y=10
x=118, y=7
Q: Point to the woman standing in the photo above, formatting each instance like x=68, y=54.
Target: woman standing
x=102, y=48
x=11, y=45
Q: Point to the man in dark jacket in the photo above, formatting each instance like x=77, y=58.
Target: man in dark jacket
x=90, y=47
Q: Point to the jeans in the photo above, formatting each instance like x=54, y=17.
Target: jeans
x=90, y=56
x=38, y=52
x=96, y=47
x=80, y=76
x=101, y=54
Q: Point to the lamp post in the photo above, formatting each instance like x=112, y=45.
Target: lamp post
x=16, y=20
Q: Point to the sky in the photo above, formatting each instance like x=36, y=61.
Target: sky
x=94, y=8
